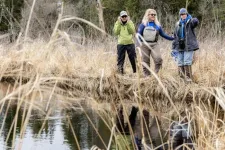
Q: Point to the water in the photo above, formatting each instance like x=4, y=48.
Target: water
x=56, y=134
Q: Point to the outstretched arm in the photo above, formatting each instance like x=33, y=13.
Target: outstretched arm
x=164, y=35
x=173, y=44
x=194, y=22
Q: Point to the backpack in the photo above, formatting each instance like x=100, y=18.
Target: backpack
x=150, y=34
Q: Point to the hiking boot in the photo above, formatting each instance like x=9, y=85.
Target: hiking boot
x=157, y=67
x=146, y=72
x=120, y=71
x=181, y=72
x=188, y=74
x=188, y=80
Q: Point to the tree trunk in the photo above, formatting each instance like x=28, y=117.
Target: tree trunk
x=100, y=15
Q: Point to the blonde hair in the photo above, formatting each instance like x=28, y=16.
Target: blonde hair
x=145, y=19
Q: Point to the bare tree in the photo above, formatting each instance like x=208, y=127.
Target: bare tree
x=100, y=14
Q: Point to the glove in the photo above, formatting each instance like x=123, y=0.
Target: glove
x=174, y=53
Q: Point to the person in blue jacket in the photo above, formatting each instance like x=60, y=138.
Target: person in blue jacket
x=148, y=33
x=185, y=43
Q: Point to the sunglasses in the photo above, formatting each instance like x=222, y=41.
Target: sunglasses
x=183, y=14
x=152, y=14
x=124, y=16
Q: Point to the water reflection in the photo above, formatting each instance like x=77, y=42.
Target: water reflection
x=56, y=133
x=87, y=136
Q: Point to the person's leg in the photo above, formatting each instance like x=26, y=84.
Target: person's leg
x=133, y=122
x=146, y=130
x=141, y=129
x=132, y=56
x=181, y=71
x=195, y=57
x=180, y=62
x=137, y=128
x=120, y=57
x=123, y=137
x=133, y=116
x=146, y=59
x=157, y=57
x=188, y=59
x=120, y=120
x=146, y=116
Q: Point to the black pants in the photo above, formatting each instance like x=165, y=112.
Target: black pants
x=121, y=53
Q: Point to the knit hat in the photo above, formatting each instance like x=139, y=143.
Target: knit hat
x=183, y=11
x=123, y=13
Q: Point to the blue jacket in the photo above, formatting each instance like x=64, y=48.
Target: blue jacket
x=158, y=28
x=187, y=33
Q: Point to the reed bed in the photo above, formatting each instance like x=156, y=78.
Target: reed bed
x=91, y=70
x=42, y=72
x=87, y=73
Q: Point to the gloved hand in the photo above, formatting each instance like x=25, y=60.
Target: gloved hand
x=174, y=53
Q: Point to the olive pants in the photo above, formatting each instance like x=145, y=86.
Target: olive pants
x=151, y=50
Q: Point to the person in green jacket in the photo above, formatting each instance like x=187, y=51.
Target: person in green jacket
x=124, y=29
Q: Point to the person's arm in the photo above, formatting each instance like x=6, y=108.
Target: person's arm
x=175, y=35
x=141, y=29
x=164, y=35
x=173, y=44
x=117, y=28
x=194, y=22
x=130, y=27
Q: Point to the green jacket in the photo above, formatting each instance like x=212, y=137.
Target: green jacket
x=124, y=32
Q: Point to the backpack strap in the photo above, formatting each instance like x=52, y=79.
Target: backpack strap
x=157, y=34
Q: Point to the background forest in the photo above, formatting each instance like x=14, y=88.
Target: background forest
x=15, y=13
x=58, y=58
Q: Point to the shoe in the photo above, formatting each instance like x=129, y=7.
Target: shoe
x=157, y=67
x=181, y=72
x=188, y=73
x=120, y=71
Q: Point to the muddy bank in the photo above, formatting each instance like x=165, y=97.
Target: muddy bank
x=131, y=89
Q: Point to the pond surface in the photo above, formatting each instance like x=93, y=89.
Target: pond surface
x=62, y=130
x=56, y=134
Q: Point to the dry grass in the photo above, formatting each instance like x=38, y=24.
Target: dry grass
x=93, y=67
x=88, y=72
x=42, y=70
